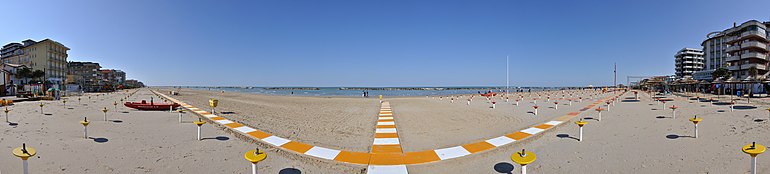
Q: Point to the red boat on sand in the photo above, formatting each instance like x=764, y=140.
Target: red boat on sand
x=151, y=106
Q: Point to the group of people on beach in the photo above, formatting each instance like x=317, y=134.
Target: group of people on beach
x=365, y=94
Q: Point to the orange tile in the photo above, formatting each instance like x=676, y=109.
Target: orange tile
x=386, y=126
x=353, y=157
x=386, y=135
x=217, y=118
x=233, y=125
x=386, y=149
x=420, y=157
x=563, y=118
x=259, y=134
x=204, y=112
x=297, y=146
x=386, y=159
x=573, y=113
x=518, y=135
x=478, y=147
x=543, y=126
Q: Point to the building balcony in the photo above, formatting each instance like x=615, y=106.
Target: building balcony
x=746, y=67
x=748, y=34
x=733, y=48
x=733, y=58
x=731, y=39
x=754, y=55
x=754, y=44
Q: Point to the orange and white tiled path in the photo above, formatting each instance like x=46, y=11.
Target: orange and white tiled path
x=386, y=143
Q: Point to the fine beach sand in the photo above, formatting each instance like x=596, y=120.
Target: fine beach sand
x=339, y=123
x=145, y=142
x=633, y=137
x=432, y=123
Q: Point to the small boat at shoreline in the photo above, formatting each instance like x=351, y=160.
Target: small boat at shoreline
x=143, y=105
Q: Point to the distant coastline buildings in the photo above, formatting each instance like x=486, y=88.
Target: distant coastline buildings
x=31, y=66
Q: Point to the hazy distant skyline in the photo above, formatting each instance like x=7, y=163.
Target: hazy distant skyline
x=376, y=43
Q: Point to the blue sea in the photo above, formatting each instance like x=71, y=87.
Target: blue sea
x=336, y=91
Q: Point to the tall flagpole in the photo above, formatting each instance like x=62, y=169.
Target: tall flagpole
x=507, y=74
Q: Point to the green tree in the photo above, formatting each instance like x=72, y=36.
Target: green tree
x=720, y=73
x=753, y=71
x=38, y=75
x=23, y=73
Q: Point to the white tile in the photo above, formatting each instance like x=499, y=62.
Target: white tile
x=553, y=123
x=451, y=152
x=385, y=130
x=384, y=118
x=500, y=141
x=532, y=130
x=394, y=169
x=386, y=123
x=224, y=121
x=245, y=129
x=324, y=153
x=209, y=115
x=385, y=141
x=277, y=141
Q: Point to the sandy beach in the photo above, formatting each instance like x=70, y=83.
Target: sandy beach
x=633, y=137
x=132, y=142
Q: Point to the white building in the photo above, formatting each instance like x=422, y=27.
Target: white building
x=687, y=61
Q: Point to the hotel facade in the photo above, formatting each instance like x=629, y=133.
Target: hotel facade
x=737, y=49
x=45, y=55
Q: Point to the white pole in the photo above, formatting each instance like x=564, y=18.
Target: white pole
x=507, y=76
x=753, y=165
x=696, y=130
x=674, y=111
x=180, y=117
x=199, y=133
x=85, y=132
x=26, y=167
x=105, y=116
x=253, y=168
x=580, y=138
x=523, y=169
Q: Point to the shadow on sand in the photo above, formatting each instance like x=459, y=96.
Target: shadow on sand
x=504, y=167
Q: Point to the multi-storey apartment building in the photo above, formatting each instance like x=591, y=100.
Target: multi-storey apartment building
x=84, y=74
x=748, y=47
x=45, y=55
x=687, y=61
x=714, y=56
x=737, y=49
x=112, y=78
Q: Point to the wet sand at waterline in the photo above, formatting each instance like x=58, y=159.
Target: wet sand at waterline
x=132, y=142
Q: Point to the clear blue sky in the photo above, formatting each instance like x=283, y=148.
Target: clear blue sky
x=376, y=43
